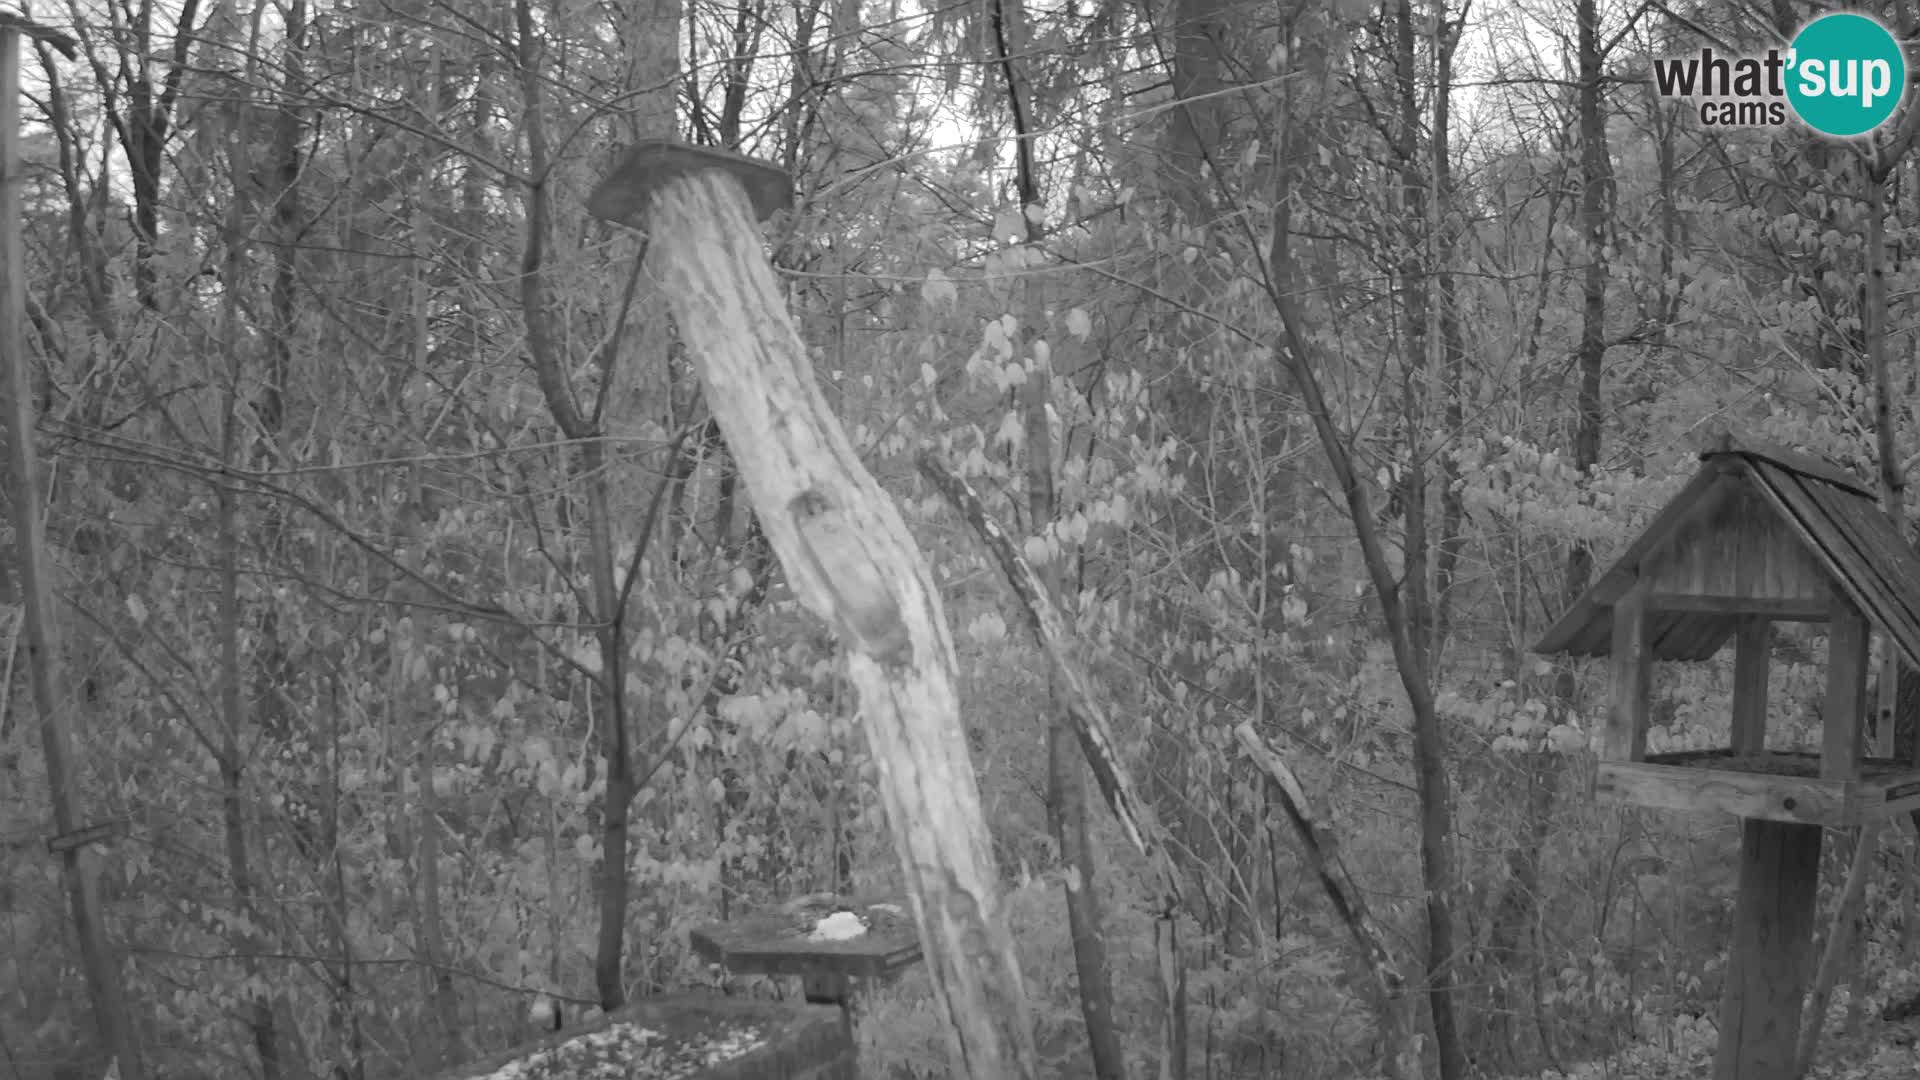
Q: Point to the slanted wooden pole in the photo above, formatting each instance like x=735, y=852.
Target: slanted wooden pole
x=78, y=862
x=850, y=559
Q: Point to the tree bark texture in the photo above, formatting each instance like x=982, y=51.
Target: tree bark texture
x=850, y=559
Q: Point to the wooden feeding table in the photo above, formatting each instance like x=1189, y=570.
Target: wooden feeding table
x=1776, y=785
x=803, y=940
x=1760, y=535
x=685, y=1038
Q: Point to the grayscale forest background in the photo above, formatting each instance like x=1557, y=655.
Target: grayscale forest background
x=354, y=424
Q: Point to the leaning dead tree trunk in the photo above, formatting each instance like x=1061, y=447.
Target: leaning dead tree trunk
x=1089, y=725
x=1088, y=721
x=1322, y=852
x=1136, y=818
x=851, y=561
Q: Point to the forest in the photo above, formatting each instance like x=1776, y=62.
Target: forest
x=412, y=645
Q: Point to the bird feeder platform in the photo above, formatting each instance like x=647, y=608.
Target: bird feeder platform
x=1769, y=785
x=1761, y=535
x=685, y=1037
x=789, y=941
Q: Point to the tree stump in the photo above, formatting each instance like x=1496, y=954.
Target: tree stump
x=851, y=561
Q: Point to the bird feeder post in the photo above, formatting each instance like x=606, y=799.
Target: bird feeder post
x=1843, y=719
x=1770, y=959
x=850, y=559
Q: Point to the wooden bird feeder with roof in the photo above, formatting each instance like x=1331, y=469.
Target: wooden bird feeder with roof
x=1759, y=536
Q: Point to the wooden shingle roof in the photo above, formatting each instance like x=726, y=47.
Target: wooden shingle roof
x=1805, y=509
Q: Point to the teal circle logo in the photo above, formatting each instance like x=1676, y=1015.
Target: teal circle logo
x=1847, y=74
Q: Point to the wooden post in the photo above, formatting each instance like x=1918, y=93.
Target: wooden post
x=850, y=559
x=1625, y=737
x=1842, y=745
x=1751, y=645
x=831, y=988
x=1771, y=954
x=78, y=863
x=1769, y=967
x=1842, y=720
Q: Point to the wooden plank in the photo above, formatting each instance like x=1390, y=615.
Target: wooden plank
x=1782, y=609
x=1814, y=524
x=780, y=942
x=1891, y=567
x=1842, y=721
x=1755, y=638
x=1746, y=795
x=1897, y=803
x=1792, y=460
x=1913, y=752
x=1625, y=737
x=1885, y=556
x=1687, y=635
x=1771, y=955
x=1737, y=546
x=1873, y=563
x=1592, y=605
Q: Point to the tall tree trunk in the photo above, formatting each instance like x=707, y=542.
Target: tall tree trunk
x=1841, y=955
x=1876, y=167
x=260, y=1020
x=1208, y=827
x=1517, y=911
x=105, y=980
x=1436, y=826
x=140, y=110
x=588, y=466
x=1301, y=357
x=349, y=1051
x=1200, y=28
x=1453, y=349
x=1066, y=788
x=448, y=1047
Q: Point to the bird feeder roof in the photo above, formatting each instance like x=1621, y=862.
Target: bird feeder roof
x=1759, y=531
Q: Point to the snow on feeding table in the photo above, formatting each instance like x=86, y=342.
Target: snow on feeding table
x=685, y=1038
